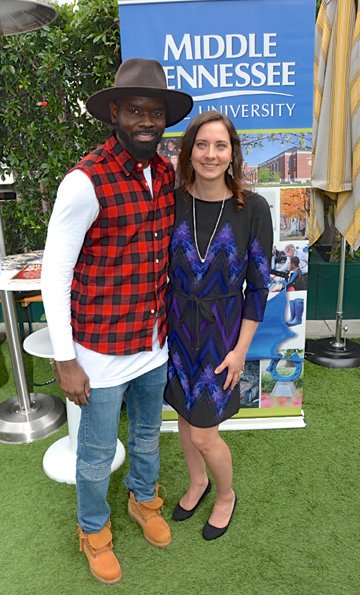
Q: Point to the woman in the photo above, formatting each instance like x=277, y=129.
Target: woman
x=222, y=240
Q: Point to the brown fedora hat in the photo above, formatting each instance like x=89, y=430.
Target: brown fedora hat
x=144, y=78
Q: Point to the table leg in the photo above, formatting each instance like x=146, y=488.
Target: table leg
x=25, y=417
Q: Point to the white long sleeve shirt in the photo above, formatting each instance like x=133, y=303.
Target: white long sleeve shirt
x=76, y=208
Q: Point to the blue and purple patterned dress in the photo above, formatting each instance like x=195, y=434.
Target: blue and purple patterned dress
x=207, y=301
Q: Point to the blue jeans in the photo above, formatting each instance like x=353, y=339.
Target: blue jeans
x=97, y=440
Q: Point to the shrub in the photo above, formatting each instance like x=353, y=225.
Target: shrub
x=45, y=78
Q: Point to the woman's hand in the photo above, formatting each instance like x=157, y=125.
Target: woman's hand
x=235, y=363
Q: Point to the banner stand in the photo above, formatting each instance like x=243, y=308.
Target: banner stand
x=258, y=72
x=259, y=423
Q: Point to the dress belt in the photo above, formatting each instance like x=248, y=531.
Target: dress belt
x=202, y=306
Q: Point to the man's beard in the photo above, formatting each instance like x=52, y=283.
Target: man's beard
x=142, y=150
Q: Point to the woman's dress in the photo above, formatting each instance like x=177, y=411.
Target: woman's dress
x=208, y=300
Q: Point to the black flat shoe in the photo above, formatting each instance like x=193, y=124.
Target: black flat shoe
x=210, y=532
x=181, y=514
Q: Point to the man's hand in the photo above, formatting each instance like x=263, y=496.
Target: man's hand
x=73, y=381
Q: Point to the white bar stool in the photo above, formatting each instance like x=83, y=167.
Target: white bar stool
x=59, y=461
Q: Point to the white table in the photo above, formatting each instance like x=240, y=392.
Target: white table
x=26, y=416
x=59, y=461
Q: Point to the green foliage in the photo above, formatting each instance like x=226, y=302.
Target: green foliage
x=267, y=382
x=351, y=255
x=61, y=64
x=249, y=142
x=266, y=176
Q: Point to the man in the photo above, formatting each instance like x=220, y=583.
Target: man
x=104, y=281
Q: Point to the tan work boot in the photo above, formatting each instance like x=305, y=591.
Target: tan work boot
x=103, y=563
x=148, y=516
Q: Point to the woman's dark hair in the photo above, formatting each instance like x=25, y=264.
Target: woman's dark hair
x=237, y=184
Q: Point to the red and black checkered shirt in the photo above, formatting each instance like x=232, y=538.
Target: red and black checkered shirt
x=120, y=278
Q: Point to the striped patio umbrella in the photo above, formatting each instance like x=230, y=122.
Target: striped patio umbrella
x=336, y=120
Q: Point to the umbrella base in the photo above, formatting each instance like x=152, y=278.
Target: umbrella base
x=323, y=352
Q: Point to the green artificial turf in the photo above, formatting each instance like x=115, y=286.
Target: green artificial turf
x=295, y=531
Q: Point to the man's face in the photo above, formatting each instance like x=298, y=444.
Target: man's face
x=139, y=124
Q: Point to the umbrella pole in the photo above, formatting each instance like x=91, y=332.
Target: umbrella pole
x=339, y=342
x=335, y=352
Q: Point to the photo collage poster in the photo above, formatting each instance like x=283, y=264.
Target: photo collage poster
x=260, y=74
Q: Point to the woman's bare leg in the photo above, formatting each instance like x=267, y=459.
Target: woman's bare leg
x=216, y=454
x=195, y=464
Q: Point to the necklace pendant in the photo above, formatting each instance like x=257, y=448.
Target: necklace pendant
x=203, y=259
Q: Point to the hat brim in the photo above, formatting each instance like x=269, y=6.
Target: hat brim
x=178, y=104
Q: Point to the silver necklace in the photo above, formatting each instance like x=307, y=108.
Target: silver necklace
x=214, y=231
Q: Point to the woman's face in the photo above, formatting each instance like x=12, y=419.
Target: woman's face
x=212, y=152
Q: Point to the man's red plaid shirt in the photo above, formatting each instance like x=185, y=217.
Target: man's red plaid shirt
x=120, y=279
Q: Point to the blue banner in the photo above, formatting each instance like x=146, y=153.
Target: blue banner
x=250, y=59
